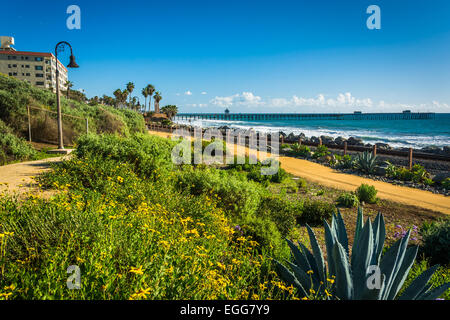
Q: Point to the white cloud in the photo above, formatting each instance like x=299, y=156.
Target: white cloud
x=244, y=99
x=188, y=93
x=203, y=92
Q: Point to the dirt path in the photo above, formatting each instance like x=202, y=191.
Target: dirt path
x=18, y=177
x=331, y=178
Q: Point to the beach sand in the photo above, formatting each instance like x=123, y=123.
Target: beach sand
x=326, y=176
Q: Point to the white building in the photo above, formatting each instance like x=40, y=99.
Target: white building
x=37, y=68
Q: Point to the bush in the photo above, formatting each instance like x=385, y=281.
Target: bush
x=347, y=200
x=344, y=162
x=301, y=150
x=417, y=174
x=301, y=183
x=281, y=211
x=321, y=151
x=436, y=242
x=314, y=212
x=13, y=148
x=237, y=195
x=446, y=184
x=254, y=171
x=366, y=193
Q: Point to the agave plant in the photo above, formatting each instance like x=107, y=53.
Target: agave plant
x=351, y=275
x=366, y=162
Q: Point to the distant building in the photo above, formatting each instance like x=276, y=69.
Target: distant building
x=227, y=111
x=37, y=68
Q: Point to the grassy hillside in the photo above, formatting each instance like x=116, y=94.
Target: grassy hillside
x=16, y=95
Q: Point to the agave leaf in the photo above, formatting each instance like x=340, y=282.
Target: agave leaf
x=299, y=257
x=408, y=262
x=418, y=285
x=341, y=231
x=301, y=276
x=312, y=263
x=344, y=283
x=379, y=231
x=361, y=258
x=318, y=256
x=289, y=277
x=359, y=226
x=435, y=293
x=330, y=239
x=398, y=264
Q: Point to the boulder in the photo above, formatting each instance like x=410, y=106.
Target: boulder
x=431, y=149
x=355, y=141
x=380, y=170
x=314, y=139
x=383, y=146
x=327, y=140
x=291, y=138
x=446, y=150
x=340, y=141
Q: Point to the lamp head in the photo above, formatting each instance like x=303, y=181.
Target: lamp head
x=72, y=63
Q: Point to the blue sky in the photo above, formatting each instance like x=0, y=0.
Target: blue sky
x=252, y=56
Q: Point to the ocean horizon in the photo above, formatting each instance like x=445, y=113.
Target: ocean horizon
x=397, y=133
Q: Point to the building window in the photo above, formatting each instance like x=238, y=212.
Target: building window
x=14, y=73
x=27, y=66
x=28, y=74
x=38, y=59
x=39, y=68
x=39, y=83
x=39, y=75
x=9, y=66
x=10, y=74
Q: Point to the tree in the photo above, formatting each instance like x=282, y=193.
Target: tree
x=69, y=84
x=170, y=111
x=157, y=98
x=150, y=90
x=121, y=96
x=145, y=94
x=130, y=88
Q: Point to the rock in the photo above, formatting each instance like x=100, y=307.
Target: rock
x=441, y=177
x=380, y=170
x=327, y=140
x=340, y=141
x=446, y=150
x=431, y=149
x=355, y=141
x=383, y=146
x=291, y=138
x=314, y=139
x=326, y=159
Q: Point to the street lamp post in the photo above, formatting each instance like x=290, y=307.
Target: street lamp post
x=72, y=64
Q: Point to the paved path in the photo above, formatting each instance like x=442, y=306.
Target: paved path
x=18, y=177
x=331, y=178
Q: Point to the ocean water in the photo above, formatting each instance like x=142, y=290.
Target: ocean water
x=397, y=133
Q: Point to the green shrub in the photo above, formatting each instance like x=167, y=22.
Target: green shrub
x=343, y=162
x=301, y=150
x=417, y=174
x=302, y=183
x=254, y=171
x=436, y=242
x=281, y=211
x=446, y=184
x=237, y=195
x=347, y=200
x=13, y=148
x=315, y=211
x=365, y=162
x=366, y=193
x=321, y=151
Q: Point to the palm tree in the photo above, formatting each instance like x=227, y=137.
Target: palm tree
x=170, y=111
x=150, y=90
x=118, y=95
x=130, y=88
x=145, y=94
x=69, y=84
x=157, y=98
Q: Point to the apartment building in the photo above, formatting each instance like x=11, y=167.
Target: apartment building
x=37, y=68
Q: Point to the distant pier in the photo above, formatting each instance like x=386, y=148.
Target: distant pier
x=306, y=116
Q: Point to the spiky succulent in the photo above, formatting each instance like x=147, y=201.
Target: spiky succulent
x=366, y=162
x=351, y=275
